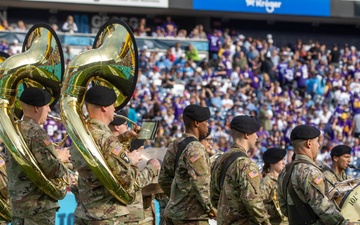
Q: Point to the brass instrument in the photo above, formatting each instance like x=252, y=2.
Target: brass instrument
x=275, y=200
x=60, y=143
x=125, y=118
x=112, y=63
x=5, y=212
x=41, y=64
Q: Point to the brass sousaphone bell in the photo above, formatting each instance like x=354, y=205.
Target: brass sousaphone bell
x=41, y=64
x=112, y=63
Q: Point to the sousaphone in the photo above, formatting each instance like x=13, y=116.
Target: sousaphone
x=41, y=64
x=112, y=63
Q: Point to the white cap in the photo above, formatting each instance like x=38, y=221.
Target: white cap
x=269, y=36
x=241, y=36
x=270, y=41
x=16, y=41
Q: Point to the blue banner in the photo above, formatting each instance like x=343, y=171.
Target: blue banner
x=65, y=215
x=283, y=7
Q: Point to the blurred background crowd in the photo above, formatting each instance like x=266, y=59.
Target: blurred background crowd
x=303, y=82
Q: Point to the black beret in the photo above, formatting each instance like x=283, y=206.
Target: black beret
x=118, y=120
x=245, y=123
x=197, y=113
x=100, y=95
x=340, y=150
x=35, y=96
x=274, y=155
x=304, y=132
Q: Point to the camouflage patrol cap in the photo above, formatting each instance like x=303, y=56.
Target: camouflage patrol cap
x=35, y=96
x=274, y=155
x=245, y=123
x=304, y=132
x=100, y=95
x=340, y=150
x=197, y=112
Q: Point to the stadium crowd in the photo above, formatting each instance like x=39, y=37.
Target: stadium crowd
x=284, y=86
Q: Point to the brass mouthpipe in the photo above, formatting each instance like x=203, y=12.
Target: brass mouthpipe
x=54, y=117
x=125, y=118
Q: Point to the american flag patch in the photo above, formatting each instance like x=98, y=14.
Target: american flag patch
x=116, y=150
x=318, y=180
x=195, y=158
x=253, y=174
x=47, y=141
x=2, y=162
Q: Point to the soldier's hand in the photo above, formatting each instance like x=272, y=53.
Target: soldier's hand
x=131, y=135
x=136, y=129
x=63, y=155
x=155, y=163
x=134, y=156
x=213, y=212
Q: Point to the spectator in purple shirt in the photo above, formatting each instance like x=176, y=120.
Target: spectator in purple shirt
x=170, y=27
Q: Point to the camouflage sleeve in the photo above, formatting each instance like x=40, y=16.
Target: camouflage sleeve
x=268, y=189
x=311, y=180
x=198, y=167
x=3, y=180
x=43, y=150
x=166, y=175
x=249, y=182
x=120, y=165
x=146, y=176
x=329, y=178
x=282, y=198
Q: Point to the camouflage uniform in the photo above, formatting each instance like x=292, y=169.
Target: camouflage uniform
x=4, y=192
x=140, y=213
x=96, y=205
x=26, y=199
x=308, y=184
x=190, y=189
x=167, y=174
x=269, y=188
x=239, y=200
x=331, y=178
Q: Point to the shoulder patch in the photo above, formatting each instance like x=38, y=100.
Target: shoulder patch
x=318, y=180
x=253, y=174
x=116, y=151
x=195, y=158
x=2, y=162
x=47, y=141
x=124, y=157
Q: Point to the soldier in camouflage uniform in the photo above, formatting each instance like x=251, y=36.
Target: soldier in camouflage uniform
x=96, y=205
x=139, y=213
x=301, y=184
x=208, y=143
x=189, y=192
x=29, y=204
x=341, y=158
x=239, y=200
x=4, y=192
x=274, y=162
